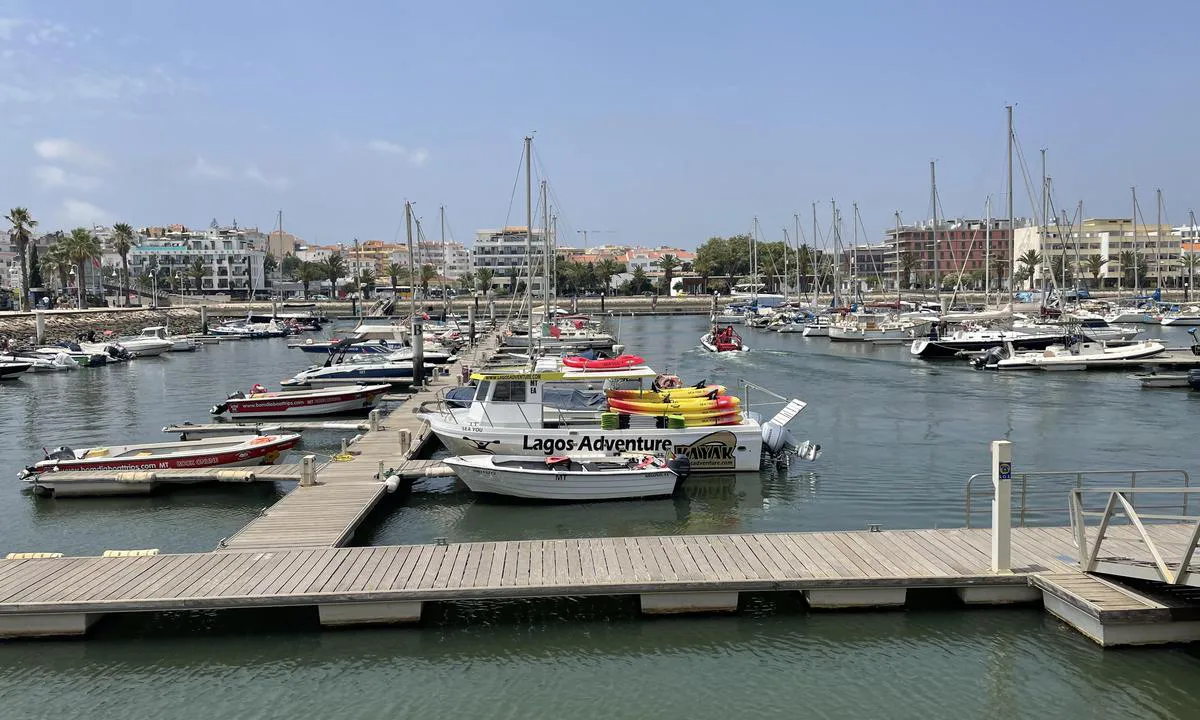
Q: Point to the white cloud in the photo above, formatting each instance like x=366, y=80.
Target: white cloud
x=69, y=151
x=277, y=182
x=80, y=213
x=385, y=147
x=416, y=157
x=49, y=177
x=204, y=169
x=8, y=27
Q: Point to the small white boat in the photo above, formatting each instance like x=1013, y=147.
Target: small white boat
x=76, y=353
x=12, y=368
x=723, y=340
x=580, y=477
x=817, y=327
x=145, y=345
x=178, y=344
x=1163, y=380
x=1182, y=320
x=1076, y=356
x=325, y=401
x=40, y=363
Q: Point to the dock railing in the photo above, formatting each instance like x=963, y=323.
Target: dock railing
x=1167, y=559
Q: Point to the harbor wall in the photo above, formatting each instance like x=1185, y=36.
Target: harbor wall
x=67, y=324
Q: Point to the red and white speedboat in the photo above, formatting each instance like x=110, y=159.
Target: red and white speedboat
x=232, y=451
x=325, y=401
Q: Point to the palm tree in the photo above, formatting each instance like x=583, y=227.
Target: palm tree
x=35, y=268
x=428, y=274
x=1030, y=259
x=605, y=269
x=197, y=271
x=123, y=241
x=22, y=233
x=56, y=263
x=667, y=263
x=483, y=279
x=82, y=246
x=395, y=271
x=366, y=282
x=908, y=265
x=335, y=268
x=309, y=272
x=1095, y=265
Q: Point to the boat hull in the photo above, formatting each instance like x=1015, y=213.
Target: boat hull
x=948, y=348
x=708, y=449
x=563, y=486
x=262, y=450
x=289, y=404
x=1182, y=321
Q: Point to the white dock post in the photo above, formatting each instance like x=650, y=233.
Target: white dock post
x=373, y=420
x=40, y=323
x=405, y=441
x=307, y=474
x=1001, y=506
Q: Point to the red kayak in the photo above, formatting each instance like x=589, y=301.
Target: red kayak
x=618, y=363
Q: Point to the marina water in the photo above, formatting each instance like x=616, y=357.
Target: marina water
x=900, y=438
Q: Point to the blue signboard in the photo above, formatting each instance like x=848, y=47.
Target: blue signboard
x=1006, y=471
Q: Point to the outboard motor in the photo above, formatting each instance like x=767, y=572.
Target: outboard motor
x=989, y=359
x=681, y=466
x=61, y=452
x=777, y=439
x=1194, y=379
x=1195, y=342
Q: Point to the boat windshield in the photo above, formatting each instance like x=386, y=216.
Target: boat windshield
x=510, y=391
x=481, y=392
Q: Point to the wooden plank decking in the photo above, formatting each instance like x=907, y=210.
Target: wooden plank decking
x=328, y=513
x=518, y=569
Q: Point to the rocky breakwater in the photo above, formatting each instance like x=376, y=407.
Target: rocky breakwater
x=67, y=325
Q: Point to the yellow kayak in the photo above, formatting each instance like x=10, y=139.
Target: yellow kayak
x=668, y=395
x=727, y=403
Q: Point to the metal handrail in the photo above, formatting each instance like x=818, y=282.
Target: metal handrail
x=1119, y=502
x=1022, y=485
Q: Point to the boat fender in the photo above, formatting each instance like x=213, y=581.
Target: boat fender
x=392, y=483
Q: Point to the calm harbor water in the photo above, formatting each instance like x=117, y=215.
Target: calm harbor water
x=900, y=438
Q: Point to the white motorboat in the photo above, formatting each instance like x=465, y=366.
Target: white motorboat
x=160, y=332
x=1139, y=316
x=817, y=327
x=575, y=477
x=73, y=351
x=871, y=327
x=324, y=401
x=946, y=345
x=1183, y=319
x=723, y=340
x=39, y=363
x=363, y=339
x=217, y=452
x=507, y=417
x=1074, y=356
x=12, y=368
x=113, y=352
x=144, y=346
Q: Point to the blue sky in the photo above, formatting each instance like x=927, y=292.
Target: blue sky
x=663, y=123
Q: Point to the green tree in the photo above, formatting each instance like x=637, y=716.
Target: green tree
x=804, y=259
x=366, y=282
x=122, y=243
x=309, y=272
x=428, y=274
x=1095, y=265
x=1030, y=260
x=35, y=268
x=291, y=266
x=1133, y=267
x=196, y=271
x=483, y=278
x=605, y=270
x=395, y=271
x=908, y=266
x=668, y=264
x=57, y=264
x=638, y=282
x=270, y=264
x=335, y=269
x=22, y=233
x=82, y=247
x=1190, y=261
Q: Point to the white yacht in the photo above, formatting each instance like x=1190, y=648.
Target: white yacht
x=507, y=417
x=1075, y=356
x=872, y=327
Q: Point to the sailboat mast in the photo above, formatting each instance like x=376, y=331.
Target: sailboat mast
x=1012, y=221
x=837, y=255
x=1137, y=281
x=854, y=253
x=987, y=252
x=799, y=285
x=898, y=283
x=412, y=286
x=1157, y=235
x=529, y=241
x=279, y=265
x=816, y=258
x=937, y=278
x=442, y=222
x=545, y=253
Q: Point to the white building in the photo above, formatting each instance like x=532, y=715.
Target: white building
x=232, y=262
x=503, y=252
x=1157, y=250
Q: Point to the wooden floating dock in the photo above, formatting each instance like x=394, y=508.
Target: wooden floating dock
x=91, y=483
x=675, y=574
x=328, y=512
x=189, y=430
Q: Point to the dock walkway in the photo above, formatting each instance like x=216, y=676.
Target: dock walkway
x=363, y=585
x=328, y=512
